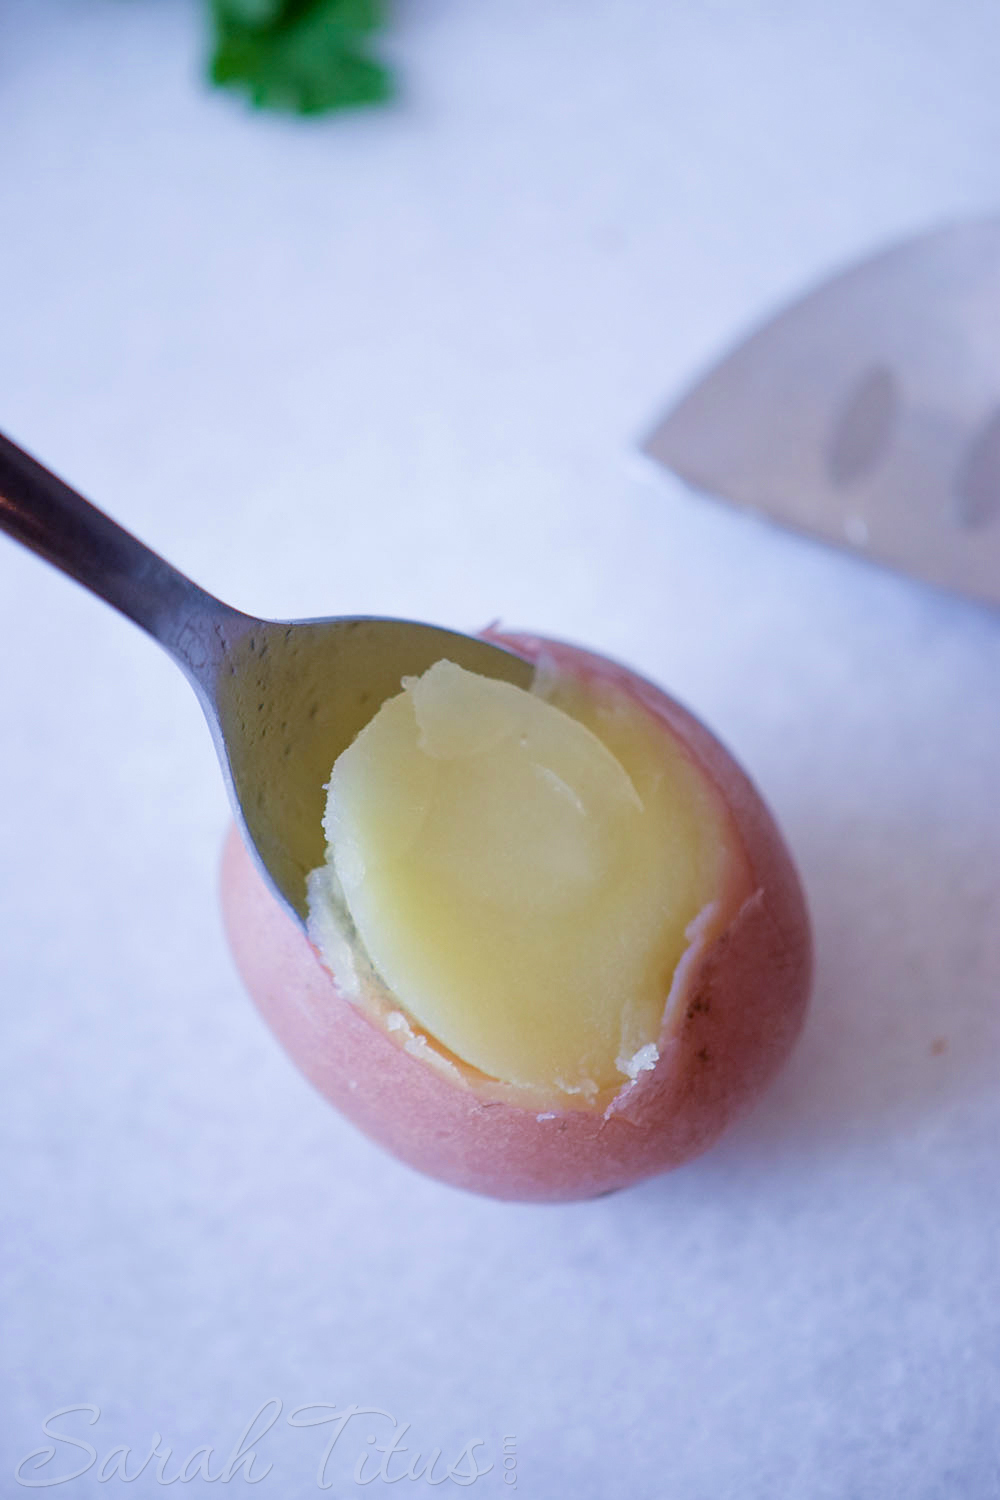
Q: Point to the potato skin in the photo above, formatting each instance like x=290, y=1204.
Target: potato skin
x=737, y=1006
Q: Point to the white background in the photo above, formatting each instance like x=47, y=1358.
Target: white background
x=398, y=363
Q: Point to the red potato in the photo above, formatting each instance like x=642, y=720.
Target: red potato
x=732, y=1014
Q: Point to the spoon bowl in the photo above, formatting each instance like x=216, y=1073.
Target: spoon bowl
x=282, y=698
x=286, y=697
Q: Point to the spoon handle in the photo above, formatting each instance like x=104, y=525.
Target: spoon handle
x=57, y=523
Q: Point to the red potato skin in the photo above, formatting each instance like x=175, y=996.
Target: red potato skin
x=742, y=1004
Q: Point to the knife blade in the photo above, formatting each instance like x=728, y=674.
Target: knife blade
x=867, y=412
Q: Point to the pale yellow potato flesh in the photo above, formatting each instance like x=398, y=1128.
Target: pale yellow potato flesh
x=519, y=870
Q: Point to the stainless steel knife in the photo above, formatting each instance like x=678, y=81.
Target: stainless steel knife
x=867, y=412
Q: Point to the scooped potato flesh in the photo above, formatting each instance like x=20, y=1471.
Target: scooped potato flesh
x=518, y=871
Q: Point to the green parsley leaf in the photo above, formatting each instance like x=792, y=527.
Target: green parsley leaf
x=302, y=55
x=252, y=12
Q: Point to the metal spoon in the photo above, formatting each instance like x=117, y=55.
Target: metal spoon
x=282, y=698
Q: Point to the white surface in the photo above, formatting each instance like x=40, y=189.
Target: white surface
x=397, y=363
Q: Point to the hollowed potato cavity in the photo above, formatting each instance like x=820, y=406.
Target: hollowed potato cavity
x=516, y=872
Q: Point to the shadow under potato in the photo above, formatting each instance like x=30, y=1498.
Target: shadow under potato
x=903, y=1023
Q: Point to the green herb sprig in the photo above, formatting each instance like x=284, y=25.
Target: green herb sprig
x=306, y=56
